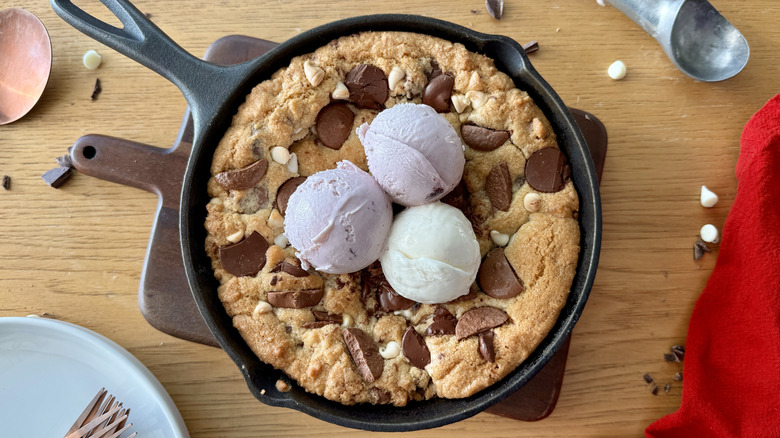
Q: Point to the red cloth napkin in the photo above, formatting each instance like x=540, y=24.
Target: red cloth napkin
x=731, y=380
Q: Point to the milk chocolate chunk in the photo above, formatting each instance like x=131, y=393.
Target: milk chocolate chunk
x=498, y=186
x=334, y=123
x=438, y=92
x=483, y=139
x=364, y=353
x=319, y=315
x=285, y=190
x=380, y=396
x=289, y=268
x=478, y=320
x=486, y=347
x=496, y=276
x=443, y=323
x=367, y=86
x=295, y=299
x=56, y=177
x=317, y=324
x=244, y=178
x=415, y=349
x=390, y=300
x=245, y=258
x=547, y=170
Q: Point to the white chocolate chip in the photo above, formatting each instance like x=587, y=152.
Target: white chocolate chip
x=477, y=99
x=460, y=102
x=92, y=59
x=262, y=307
x=391, y=350
x=292, y=165
x=281, y=241
x=280, y=155
x=708, y=198
x=275, y=219
x=236, y=237
x=499, y=239
x=540, y=131
x=405, y=313
x=532, y=202
x=341, y=92
x=314, y=74
x=475, y=82
x=709, y=234
x=346, y=321
x=617, y=70
x=395, y=76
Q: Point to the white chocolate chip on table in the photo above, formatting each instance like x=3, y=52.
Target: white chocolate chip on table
x=92, y=59
x=617, y=70
x=708, y=198
x=709, y=233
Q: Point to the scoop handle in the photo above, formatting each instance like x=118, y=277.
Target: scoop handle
x=205, y=86
x=650, y=15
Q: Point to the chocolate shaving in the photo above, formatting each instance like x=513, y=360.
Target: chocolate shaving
x=97, y=90
x=678, y=351
x=699, y=248
x=6, y=182
x=56, y=177
x=667, y=387
x=364, y=352
x=531, y=47
x=495, y=8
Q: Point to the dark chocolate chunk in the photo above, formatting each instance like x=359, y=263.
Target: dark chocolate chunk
x=648, y=378
x=65, y=161
x=285, y=190
x=699, y=248
x=679, y=352
x=244, y=178
x=245, y=258
x=478, y=320
x=547, y=170
x=438, y=92
x=486, y=348
x=334, y=124
x=670, y=357
x=435, y=70
x=97, y=90
x=364, y=353
x=498, y=186
x=678, y=377
x=390, y=300
x=531, y=47
x=483, y=139
x=667, y=387
x=6, y=182
x=56, y=177
x=291, y=269
x=295, y=299
x=415, y=349
x=274, y=280
x=654, y=389
x=319, y=315
x=443, y=323
x=496, y=276
x=367, y=86
x=495, y=8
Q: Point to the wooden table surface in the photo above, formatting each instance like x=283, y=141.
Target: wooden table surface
x=76, y=253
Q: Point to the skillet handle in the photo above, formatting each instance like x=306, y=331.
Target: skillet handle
x=205, y=86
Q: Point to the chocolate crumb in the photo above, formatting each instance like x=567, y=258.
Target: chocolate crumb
x=654, y=389
x=677, y=377
x=475, y=11
x=64, y=161
x=667, y=387
x=96, y=91
x=699, y=248
x=495, y=8
x=531, y=47
x=148, y=15
x=6, y=183
x=679, y=352
x=648, y=378
x=670, y=357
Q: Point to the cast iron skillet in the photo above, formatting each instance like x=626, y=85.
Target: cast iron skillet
x=214, y=94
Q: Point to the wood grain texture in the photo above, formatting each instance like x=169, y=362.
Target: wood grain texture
x=77, y=252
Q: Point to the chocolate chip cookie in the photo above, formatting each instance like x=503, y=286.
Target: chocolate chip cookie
x=350, y=337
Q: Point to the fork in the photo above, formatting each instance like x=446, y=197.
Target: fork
x=104, y=417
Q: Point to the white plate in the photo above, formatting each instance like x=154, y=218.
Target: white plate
x=50, y=370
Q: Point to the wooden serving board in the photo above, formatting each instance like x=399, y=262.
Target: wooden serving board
x=164, y=295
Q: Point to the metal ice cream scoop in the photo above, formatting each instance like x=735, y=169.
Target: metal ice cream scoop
x=694, y=35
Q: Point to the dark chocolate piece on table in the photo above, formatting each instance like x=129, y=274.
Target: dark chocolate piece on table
x=495, y=8
x=97, y=90
x=531, y=47
x=6, y=182
x=56, y=177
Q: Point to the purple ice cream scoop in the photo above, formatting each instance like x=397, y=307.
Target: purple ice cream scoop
x=414, y=153
x=338, y=220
